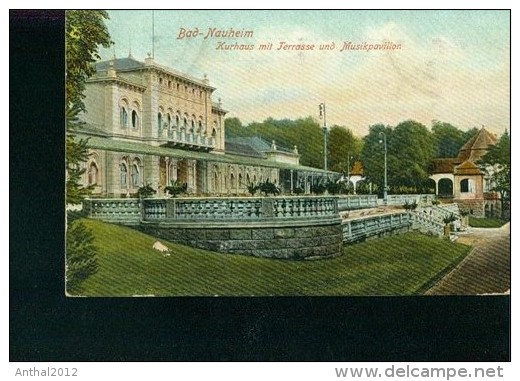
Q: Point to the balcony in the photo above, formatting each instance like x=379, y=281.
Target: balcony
x=185, y=139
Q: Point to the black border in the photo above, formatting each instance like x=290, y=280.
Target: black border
x=44, y=325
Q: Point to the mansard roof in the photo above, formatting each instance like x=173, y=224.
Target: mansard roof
x=122, y=64
x=242, y=149
x=253, y=146
x=130, y=64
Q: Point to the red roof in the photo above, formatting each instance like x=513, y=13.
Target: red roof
x=444, y=165
x=477, y=146
x=467, y=168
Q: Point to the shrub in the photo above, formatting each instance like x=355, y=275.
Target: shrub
x=336, y=187
x=268, y=187
x=318, y=188
x=252, y=188
x=411, y=206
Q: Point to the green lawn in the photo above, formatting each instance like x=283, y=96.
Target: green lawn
x=397, y=265
x=485, y=222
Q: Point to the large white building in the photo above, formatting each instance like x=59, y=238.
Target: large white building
x=148, y=124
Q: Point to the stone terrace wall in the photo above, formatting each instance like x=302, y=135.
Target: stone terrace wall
x=283, y=240
x=274, y=227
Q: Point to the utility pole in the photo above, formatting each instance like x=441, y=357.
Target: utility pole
x=323, y=115
x=385, y=189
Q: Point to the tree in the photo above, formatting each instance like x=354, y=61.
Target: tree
x=372, y=154
x=233, y=126
x=84, y=32
x=342, y=146
x=496, y=163
x=81, y=259
x=305, y=133
x=448, y=139
x=76, y=153
x=412, y=151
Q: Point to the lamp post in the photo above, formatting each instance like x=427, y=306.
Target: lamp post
x=385, y=188
x=348, y=170
x=323, y=115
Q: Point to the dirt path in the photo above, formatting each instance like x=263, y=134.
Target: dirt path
x=486, y=270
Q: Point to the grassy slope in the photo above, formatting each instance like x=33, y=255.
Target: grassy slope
x=486, y=222
x=398, y=265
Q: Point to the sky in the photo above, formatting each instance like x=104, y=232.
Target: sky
x=450, y=66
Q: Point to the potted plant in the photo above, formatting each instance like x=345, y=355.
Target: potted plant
x=146, y=191
x=176, y=188
x=411, y=206
x=447, y=223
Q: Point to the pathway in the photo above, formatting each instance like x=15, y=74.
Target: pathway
x=486, y=270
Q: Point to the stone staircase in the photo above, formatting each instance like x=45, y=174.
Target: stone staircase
x=430, y=219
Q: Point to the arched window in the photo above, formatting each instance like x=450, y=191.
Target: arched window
x=192, y=126
x=177, y=120
x=93, y=174
x=169, y=120
x=135, y=174
x=215, y=182
x=200, y=127
x=135, y=119
x=123, y=172
x=173, y=171
x=214, y=133
x=240, y=183
x=232, y=181
x=248, y=179
x=185, y=123
x=467, y=186
x=159, y=121
x=123, y=117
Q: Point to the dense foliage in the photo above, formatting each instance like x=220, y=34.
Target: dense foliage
x=85, y=31
x=411, y=148
x=497, y=164
x=307, y=135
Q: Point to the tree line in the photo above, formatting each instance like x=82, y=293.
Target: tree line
x=411, y=148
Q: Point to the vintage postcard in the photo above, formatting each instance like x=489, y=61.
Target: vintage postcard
x=287, y=153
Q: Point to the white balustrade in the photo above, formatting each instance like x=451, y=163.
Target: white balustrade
x=358, y=229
